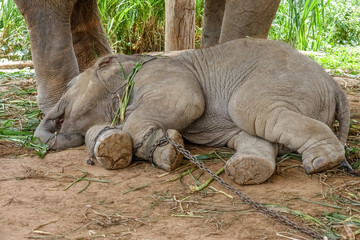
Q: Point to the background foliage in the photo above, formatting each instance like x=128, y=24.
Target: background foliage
x=14, y=36
x=133, y=26
x=138, y=25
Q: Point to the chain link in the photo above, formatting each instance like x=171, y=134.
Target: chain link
x=159, y=143
x=144, y=138
x=257, y=206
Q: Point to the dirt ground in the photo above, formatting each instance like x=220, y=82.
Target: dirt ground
x=61, y=197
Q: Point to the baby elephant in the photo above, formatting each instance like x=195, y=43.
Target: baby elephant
x=255, y=96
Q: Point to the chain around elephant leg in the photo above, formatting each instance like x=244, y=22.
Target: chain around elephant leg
x=157, y=150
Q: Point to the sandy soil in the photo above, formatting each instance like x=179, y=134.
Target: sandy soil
x=47, y=199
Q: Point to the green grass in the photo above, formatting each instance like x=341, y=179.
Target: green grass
x=133, y=26
x=317, y=24
x=342, y=60
x=14, y=36
x=300, y=23
x=19, y=113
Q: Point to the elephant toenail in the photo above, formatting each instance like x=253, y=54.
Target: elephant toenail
x=319, y=163
x=308, y=169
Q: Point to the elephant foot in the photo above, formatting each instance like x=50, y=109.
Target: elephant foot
x=323, y=157
x=167, y=157
x=160, y=152
x=249, y=169
x=112, y=149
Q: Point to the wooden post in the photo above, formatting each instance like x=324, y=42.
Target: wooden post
x=179, y=24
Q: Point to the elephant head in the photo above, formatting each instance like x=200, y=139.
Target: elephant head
x=91, y=98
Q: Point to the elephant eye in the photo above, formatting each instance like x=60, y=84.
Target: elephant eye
x=59, y=122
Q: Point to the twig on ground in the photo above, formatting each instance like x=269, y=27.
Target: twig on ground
x=191, y=215
x=44, y=224
x=290, y=236
x=188, y=171
x=222, y=192
x=132, y=189
x=320, y=203
x=84, y=178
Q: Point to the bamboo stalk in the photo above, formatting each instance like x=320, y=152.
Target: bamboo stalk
x=204, y=185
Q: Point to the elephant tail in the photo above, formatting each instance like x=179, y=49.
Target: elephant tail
x=342, y=115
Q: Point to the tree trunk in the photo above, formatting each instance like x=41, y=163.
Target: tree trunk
x=180, y=24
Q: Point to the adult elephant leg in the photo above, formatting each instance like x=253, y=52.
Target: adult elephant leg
x=213, y=18
x=254, y=160
x=245, y=18
x=51, y=47
x=88, y=36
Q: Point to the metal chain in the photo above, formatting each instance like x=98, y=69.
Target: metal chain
x=257, y=206
x=144, y=138
x=159, y=143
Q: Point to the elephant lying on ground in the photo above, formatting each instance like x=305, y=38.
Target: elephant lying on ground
x=253, y=95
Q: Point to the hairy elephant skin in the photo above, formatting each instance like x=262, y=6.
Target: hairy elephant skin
x=226, y=20
x=249, y=94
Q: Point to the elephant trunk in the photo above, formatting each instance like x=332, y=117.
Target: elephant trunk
x=57, y=141
x=48, y=132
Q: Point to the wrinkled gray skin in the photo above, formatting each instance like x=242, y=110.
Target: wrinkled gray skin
x=250, y=94
x=67, y=37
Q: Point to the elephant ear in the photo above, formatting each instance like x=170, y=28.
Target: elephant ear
x=114, y=70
